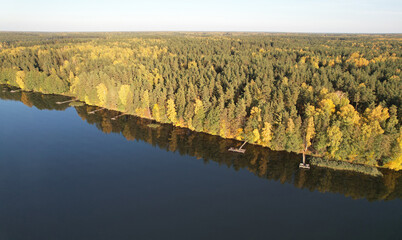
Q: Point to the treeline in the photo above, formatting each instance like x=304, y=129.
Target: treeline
x=335, y=95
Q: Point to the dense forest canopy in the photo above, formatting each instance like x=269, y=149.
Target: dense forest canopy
x=339, y=96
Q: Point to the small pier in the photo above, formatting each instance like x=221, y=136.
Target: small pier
x=303, y=164
x=72, y=100
x=239, y=150
x=115, y=118
x=94, y=111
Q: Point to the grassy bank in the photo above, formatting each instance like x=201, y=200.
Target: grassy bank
x=345, y=166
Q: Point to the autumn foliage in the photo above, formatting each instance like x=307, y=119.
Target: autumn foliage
x=338, y=96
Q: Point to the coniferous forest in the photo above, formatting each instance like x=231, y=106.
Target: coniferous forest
x=334, y=96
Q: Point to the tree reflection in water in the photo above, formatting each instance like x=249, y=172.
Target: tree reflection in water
x=264, y=163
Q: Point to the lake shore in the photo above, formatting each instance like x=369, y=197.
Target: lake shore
x=325, y=162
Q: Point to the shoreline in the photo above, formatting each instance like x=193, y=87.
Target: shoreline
x=310, y=154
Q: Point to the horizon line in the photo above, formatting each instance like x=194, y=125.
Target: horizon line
x=200, y=31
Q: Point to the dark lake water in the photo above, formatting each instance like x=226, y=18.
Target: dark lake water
x=68, y=174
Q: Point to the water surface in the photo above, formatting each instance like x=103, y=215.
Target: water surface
x=68, y=174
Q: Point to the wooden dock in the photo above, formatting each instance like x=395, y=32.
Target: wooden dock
x=239, y=150
x=94, y=111
x=72, y=100
x=114, y=118
x=303, y=164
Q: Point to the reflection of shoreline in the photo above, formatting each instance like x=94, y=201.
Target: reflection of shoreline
x=329, y=162
x=30, y=99
x=131, y=113
x=279, y=166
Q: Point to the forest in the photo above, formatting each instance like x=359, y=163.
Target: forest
x=333, y=96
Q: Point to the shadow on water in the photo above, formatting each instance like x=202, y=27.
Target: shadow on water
x=264, y=163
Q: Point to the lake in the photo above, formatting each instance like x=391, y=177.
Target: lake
x=69, y=174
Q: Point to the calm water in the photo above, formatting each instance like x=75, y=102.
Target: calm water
x=67, y=174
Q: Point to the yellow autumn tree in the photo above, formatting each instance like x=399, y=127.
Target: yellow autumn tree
x=19, y=79
x=102, y=93
x=335, y=138
x=358, y=60
x=255, y=113
x=327, y=105
x=396, y=163
x=124, y=92
x=378, y=113
x=156, y=112
x=198, y=106
x=145, y=102
x=266, y=134
x=192, y=64
x=87, y=100
x=256, y=136
x=310, y=110
x=349, y=115
x=75, y=82
x=156, y=76
x=239, y=134
x=310, y=132
x=373, y=119
x=223, y=130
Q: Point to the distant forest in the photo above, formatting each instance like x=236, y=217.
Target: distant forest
x=336, y=96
